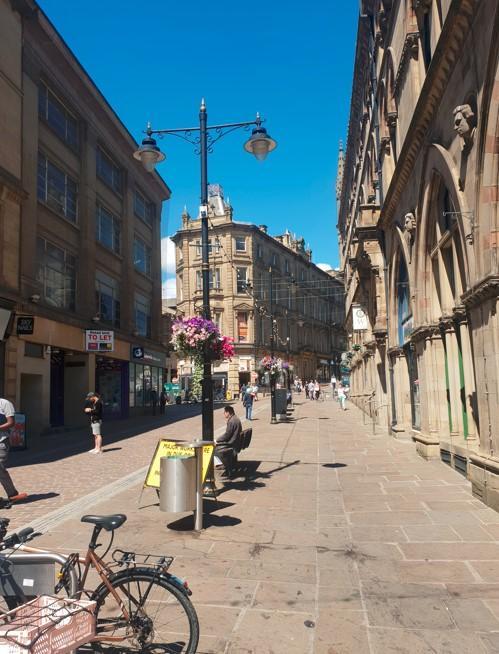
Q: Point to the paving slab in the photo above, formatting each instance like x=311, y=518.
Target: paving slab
x=333, y=541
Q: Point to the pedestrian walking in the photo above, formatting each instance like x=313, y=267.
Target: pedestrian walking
x=93, y=407
x=248, y=399
x=317, y=389
x=310, y=389
x=333, y=386
x=342, y=396
x=7, y=420
x=163, y=399
x=154, y=400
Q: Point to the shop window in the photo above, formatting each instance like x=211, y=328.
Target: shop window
x=142, y=315
x=142, y=256
x=131, y=385
x=56, y=274
x=108, y=171
x=108, y=299
x=108, y=229
x=57, y=189
x=57, y=117
x=147, y=380
x=139, y=385
x=242, y=326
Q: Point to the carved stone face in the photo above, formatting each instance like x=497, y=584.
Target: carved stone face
x=463, y=120
x=409, y=222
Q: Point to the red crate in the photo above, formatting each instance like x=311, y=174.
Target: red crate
x=47, y=625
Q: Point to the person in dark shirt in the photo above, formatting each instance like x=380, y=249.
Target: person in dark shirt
x=93, y=407
x=227, y=443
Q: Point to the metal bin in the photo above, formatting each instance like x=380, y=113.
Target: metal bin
x=177, y=490
x=281, y=403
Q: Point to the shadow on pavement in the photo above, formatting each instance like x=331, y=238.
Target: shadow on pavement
x=37, y=497
x=210, y=518
x=334, y=465
x=67, y=443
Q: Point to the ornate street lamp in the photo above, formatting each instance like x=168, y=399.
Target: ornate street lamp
x=203, y=138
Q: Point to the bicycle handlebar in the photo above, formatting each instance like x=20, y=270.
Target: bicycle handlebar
x=18, y=538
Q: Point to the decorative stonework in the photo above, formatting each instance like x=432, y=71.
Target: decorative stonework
x=410, y=50
x=465, y=125
x=409, y=232
x=421, y=6
x=391, y=119
x=486, y=289
x=385, y=144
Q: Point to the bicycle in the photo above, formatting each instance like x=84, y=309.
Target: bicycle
x=122, y=596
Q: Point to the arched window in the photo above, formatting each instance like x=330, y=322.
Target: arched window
x=404, y=314
x=446, y=253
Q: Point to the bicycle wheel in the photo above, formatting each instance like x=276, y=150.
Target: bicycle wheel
x=162, y=618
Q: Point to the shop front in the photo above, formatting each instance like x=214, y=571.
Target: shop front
x=111, y=382
x=145, y=378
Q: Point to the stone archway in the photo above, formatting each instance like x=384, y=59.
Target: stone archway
x=443, y=276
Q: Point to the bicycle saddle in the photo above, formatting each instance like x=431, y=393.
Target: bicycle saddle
x=108, y=522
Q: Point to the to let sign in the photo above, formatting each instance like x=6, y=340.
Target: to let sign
x=99, y=340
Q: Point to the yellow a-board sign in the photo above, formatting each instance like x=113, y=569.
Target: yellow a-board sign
x=172, y=448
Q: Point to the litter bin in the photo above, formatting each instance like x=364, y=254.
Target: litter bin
x=281, y=403
x=177, y=489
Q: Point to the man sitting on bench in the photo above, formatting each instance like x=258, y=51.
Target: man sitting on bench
x=227, y=444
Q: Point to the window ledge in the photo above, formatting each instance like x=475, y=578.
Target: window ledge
x=47, y=206
x=119, y=194
x=109, y=250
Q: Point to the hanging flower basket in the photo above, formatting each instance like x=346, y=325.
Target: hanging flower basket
x=272, y=365
x=200, y=339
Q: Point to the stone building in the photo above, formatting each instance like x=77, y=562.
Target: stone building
x=307, y=302
x=418, y=226
x=79, y=236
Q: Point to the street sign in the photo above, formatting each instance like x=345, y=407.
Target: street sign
x=25, y=325
x=99, y=340
x=170, y=449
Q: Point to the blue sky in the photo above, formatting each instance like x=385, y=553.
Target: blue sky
x=291, y=61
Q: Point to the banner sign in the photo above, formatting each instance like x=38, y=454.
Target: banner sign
x=174, y=449
x=360, y=320
x=99, y=340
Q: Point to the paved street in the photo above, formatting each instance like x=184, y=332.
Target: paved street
x=335, y=541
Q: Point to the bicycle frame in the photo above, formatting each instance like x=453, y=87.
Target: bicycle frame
x=91, y=560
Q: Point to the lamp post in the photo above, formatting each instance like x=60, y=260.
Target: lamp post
x=273, y=418
x=288, y=347
x=203, y=137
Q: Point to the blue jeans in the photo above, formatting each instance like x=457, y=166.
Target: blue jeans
x=249, y=410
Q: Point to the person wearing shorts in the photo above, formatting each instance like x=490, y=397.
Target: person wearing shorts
x=93, y=406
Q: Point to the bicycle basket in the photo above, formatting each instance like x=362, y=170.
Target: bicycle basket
x=47, y=625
